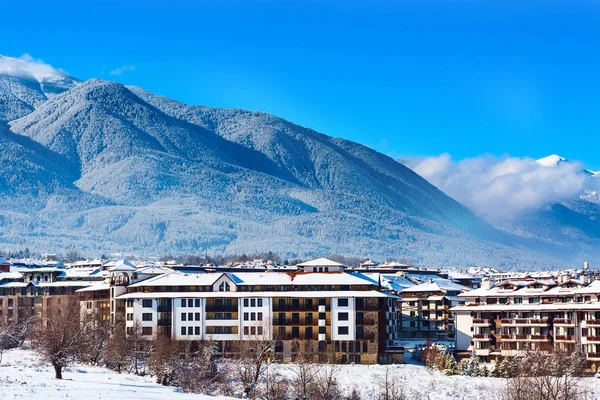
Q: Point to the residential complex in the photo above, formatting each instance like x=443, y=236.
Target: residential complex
x=517, y=316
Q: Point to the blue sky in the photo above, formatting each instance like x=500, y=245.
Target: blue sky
x=407, y=78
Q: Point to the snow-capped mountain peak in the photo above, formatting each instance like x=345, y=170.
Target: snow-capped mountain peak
x=552, y=160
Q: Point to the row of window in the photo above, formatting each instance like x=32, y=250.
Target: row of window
x=190, y=303
x=190, y=316
x=146, y=330
x=253, y=302
x=253, y=316
x=190, y=330
x=253, y=330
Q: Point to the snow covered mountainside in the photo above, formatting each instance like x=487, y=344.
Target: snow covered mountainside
x=102, y=167
x=25, y=84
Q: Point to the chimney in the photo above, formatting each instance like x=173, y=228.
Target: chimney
x=486, y=283
x=586, y=265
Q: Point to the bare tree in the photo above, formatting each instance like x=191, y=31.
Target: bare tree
x=97, y=336
x=326, y=386
x=13, y=335
x=546, y=376
x=254, y=357
x=199, y=369
x=165, y=360
x=118, y=352
x=305, y=372
x=390, y=387
x=139, y=348
x=59, y=336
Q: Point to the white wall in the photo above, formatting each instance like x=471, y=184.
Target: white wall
x=335, y=323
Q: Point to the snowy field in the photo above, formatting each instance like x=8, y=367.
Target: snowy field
x=22, y=376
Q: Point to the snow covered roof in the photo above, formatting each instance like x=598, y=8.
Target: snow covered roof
x=423, y=287
x=3, y=261
x=123, y=265
x=179, y=279
x=320, y=262
x=93, y=288
x=10, y=275
x=293, y=294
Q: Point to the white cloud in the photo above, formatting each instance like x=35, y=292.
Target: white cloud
x=122, y=69
x=27, y=66
x=503, y=187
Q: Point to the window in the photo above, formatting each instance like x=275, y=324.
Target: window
x=190, y=330
x=218, y=329
x=295, y=332
x=197, y=331
x=190, y=316
x=253, y=330
x=245, y=302
x=342, y=330
x=322, y=315
x=183, y=316
x=259, y=316
x=147, y=317
x=342, y=302
x=183, y=330
x=259, y=302
x=224, y=287
x=343, y=316
x=245, y=316
x=252, y=316
x=344, y=347
x=147, y=331
x=190, y=302
x=183, y=303
x=351, y=347
x=322, y=329
x=129, y=330
x=337, y=345
x=197, y=316
x=197, y=302
x=322, y=302
x=147, y=303
x=227, y=315
x=228, y=330
x=129, y=316
x=253, y=303
x=246, y=330
x=259, y=330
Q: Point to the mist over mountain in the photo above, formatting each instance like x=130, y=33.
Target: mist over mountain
x=102, y=167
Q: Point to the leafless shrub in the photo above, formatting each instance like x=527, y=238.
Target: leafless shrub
x=546, y=376
x=390, y=387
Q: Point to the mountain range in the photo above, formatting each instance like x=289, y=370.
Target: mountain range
x=101, y=167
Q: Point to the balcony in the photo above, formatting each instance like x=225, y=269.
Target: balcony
x=542, y=338
x=564, y=338
x=563, y=321
x=221, y=308
x=593, y=356
x=164, y=322
x=481, y=352
x=524, y=322
x=481, y=337
x=592, y=322
x=481, y=322
x=298, y=307
x=593, y=338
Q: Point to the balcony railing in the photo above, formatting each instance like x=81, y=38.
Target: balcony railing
x=298, y=307
x=563, y=321
x=221, y=308
x=365, y=336
x=564, y=337
x=593, y=338
x=592, y=321
x=592, y=355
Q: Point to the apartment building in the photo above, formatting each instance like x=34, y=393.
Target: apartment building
x=516, y=316
x=425, y=309
x=343, y=315
x=30, y=291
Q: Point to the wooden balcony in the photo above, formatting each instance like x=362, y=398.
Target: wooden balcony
x=563, y=321
x=592, y=322
x=564, y=338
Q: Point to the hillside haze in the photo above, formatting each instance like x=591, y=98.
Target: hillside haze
x=101, y=167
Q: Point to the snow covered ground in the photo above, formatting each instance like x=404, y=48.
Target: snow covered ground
x=22, y=376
